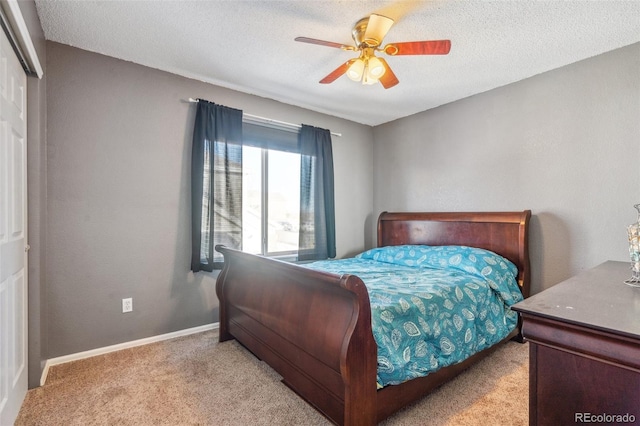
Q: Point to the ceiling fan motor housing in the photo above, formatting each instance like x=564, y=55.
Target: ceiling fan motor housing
x=358, y=34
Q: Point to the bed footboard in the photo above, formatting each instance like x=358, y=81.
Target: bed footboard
x=313, y=328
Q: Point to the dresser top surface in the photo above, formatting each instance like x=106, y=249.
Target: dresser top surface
x=597, y=298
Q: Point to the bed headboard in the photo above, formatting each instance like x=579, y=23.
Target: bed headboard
x=504, y=233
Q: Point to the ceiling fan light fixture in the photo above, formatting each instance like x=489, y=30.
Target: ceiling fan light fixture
x=356, y=70
x=375, y=68
x=368, y=34
x=369, y=81
x=368, y=77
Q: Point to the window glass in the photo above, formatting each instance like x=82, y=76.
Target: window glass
x=252, y=200
x=284, y=202
x=270, y=201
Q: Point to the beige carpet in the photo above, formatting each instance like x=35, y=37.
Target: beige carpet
x=195, y=380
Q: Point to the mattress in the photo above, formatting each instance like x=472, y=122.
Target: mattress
x=432, y=306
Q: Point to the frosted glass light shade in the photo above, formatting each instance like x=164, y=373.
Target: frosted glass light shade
x=356, y=70
x=375, y=68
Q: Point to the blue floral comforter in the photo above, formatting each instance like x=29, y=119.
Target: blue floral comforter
x=432, y=306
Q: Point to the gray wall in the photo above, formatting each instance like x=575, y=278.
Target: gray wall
x=119, y=137
x=565, y=144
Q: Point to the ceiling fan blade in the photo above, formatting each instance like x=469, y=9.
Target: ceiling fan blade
x=388, y=79
x=377, y=28
x=333, y=76
x=433, y=47
x=324, y=43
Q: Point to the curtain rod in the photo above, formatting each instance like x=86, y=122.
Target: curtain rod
x=260, y=120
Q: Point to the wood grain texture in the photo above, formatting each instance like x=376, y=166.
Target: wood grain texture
x=433, y=47
x=314, y=328
x=338, y=72
x=322, y=42
x=388, y=79
x=585, y=346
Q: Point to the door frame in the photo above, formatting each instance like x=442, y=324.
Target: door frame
x=13, y=24
x=15, y=27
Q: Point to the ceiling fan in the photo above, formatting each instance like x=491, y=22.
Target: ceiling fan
x=368, y=34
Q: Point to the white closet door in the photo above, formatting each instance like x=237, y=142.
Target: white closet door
x=13, y=233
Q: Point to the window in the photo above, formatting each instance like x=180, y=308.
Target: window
x=270, y=201
x=252, y=185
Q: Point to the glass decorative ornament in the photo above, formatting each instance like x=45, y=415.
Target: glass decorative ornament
x=634, y=250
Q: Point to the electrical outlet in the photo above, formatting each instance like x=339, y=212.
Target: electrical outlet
x=127, y=305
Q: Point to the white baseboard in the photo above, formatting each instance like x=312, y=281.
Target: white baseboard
x=101, y=351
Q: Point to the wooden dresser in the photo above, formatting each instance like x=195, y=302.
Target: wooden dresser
x=584, y=336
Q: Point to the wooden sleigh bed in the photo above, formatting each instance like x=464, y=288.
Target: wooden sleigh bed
x=314, y=328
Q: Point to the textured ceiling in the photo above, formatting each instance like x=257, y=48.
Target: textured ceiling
x=249, y=45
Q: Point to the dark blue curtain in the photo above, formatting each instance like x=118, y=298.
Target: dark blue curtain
x=216, y=184
x=317, y=238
